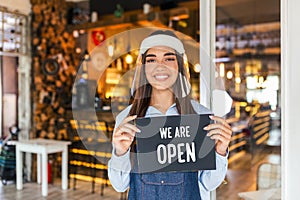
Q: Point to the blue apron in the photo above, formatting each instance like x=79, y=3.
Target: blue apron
x=164, y=185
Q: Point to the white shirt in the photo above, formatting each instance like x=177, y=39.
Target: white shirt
x=119, y=167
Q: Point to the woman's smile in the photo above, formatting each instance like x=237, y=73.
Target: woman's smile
x=161, y=77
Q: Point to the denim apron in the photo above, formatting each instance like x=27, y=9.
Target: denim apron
x=164, y=185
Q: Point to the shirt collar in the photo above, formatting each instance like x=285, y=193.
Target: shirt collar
x=152, y=111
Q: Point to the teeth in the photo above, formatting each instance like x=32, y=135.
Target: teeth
x=161, y=76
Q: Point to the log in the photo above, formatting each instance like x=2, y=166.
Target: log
x=43, y=134
x=61, y=111
x=43, y=117
x=51, y=135
x=62, y=134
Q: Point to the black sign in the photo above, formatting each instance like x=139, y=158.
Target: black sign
x=174, y=143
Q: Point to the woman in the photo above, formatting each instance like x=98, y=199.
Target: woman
x=161, y=87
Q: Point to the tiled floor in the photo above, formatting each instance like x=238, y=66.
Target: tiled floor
x=32, y=191
x=240, y=178
x=243, y=179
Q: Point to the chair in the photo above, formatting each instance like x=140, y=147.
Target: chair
x=123, y=195
x=268, y=176
x=259, y=127
x=89, y=152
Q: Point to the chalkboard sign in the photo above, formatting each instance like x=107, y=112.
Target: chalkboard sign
x=174, y=143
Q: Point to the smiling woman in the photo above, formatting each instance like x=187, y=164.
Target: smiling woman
x=161, y=88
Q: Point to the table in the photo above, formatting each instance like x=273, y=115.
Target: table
x=42, y=147
x=267, y=194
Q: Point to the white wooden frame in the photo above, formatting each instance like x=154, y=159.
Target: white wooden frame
x=290, y=98
x=290, y=87
x=207, y=52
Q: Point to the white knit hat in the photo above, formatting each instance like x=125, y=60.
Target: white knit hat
x=161, y=40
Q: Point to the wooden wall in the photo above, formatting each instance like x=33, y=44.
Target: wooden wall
x=51, y=93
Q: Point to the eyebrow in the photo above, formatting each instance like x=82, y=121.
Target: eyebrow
x=169, y=54
x=166, y=54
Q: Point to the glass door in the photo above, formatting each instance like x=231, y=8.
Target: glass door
x=247, y=52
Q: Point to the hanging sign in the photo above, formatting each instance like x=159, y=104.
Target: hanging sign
x=174, y=143
x=98, y=37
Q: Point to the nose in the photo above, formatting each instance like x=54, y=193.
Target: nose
x=160, y=61
x=161, y=65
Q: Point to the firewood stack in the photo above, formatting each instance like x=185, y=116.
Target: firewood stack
x=54, y=68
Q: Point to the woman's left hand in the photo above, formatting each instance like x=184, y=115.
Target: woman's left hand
x=220, y=132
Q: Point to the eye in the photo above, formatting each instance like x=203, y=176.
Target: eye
x=170, y=59
x=150, y=60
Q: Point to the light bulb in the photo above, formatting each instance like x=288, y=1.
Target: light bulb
x=78, y=50
x=110, y=50
x=128, y=59
x=229, y=74
x=75, y=34
x=222, y=69
x=197, y=68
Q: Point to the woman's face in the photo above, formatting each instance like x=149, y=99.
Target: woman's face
x=161, y=67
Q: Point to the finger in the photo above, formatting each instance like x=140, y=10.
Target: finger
x=132, y=127
x=127, y=128
x=123, y=137
x=219, y=132
x=220, y=120
x=223, y=122
x=218, y=126
x=124, y=129
x=220, y=138
x=128, y=119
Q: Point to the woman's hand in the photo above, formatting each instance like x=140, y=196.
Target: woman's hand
x=220, y=132
x=124, y=135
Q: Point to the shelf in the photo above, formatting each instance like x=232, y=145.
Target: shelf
x=248, y=53
x=137, y=17
x=252, y=28
x=255, y=40
x=12, y=34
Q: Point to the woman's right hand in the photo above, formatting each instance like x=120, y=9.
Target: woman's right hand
x=124, y=135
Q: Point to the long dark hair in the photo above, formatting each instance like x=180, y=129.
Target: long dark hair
x=142, y=95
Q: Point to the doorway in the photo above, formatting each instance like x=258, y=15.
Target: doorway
x=9, y=93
